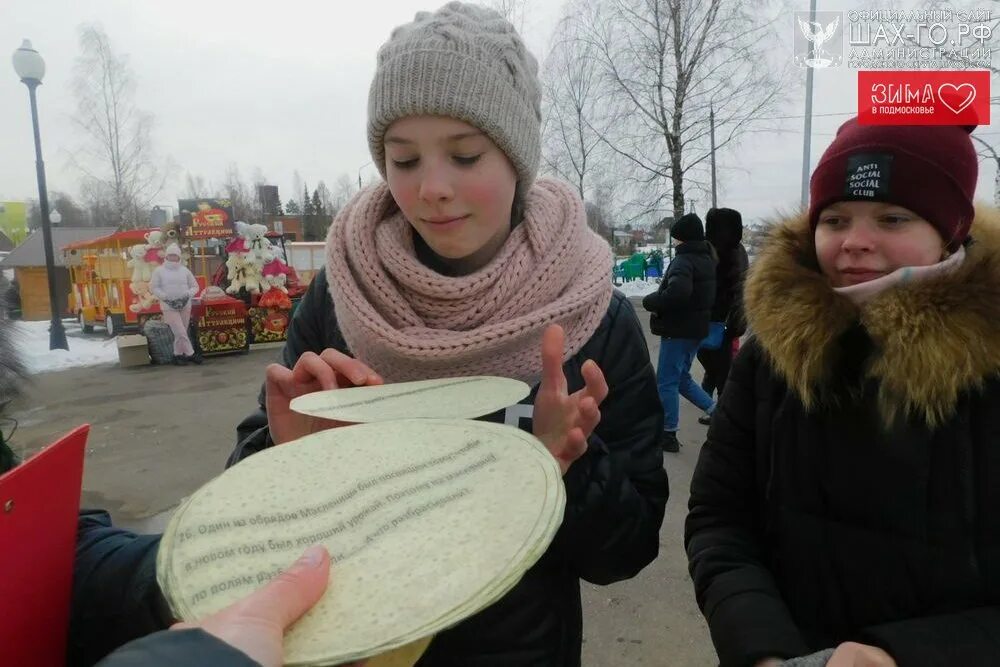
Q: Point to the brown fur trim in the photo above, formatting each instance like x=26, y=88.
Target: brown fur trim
x=935, y=338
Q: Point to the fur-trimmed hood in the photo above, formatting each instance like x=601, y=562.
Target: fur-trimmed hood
x=933, y=339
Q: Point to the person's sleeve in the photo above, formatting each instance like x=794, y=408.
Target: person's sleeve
x=156, y=285
x=307, y=332
x=746, y=614
x=192, y=284
x=173, y=648
x=115, y=594
x=617, y=491
x=680, y=285
x=736, y=320
x=970, y=638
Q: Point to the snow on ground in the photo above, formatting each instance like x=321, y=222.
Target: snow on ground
x=93, y=349
x=638, y=287
x=32, y=338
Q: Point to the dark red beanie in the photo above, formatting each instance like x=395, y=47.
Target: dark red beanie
x=929, y=169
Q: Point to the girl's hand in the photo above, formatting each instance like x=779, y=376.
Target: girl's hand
x=312, y=372
x=564, y=421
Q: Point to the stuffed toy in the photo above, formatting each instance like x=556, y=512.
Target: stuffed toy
x=144, y=299
x=154, y=248
x=243, y=273
x=275, y=274
x=142, y=271
x=172, y=232
x=240, y=242
x=257, y=243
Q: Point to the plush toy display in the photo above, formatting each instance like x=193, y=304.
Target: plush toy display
x=243, y=273
x=142, y=270
x=275, y=274
x=154, y=248
x=144, y=299
x=172, y=232
x=253, y=262
x=239, y=243
x=257, y=242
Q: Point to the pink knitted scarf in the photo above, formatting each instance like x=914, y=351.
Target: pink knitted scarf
x=409, y=322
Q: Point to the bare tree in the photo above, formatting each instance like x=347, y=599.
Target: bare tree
x=195, y=186
x=243, y=195
x=116, y=157
x=298, y=186
x=324, y=196
x=343, y=190
x=512, y=10
x=667, y=64
x=575, y=115
x=72, y=214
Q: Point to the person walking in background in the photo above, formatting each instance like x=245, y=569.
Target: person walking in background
x=724, y=230
x=681, y=310
x=175, y=286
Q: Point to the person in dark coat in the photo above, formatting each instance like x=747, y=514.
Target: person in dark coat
x=681, y=310
x=616, y=493
x=463, y=262
x=249, y=633
x=724, y=230
x=118, y=615
x=846, y=497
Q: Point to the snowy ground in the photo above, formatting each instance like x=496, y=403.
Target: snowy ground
x=638, y=287
x=32, y=338
x=93, y=349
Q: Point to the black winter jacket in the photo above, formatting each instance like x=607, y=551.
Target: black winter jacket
x=725, y=236
x=174, y=648
x=616, y=493
x=681, y=307
x=115, y=594
x=849, y=486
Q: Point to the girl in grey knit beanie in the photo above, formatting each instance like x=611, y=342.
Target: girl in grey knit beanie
x=434, y=274
x=467, y=62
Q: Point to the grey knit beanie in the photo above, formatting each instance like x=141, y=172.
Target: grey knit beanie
x=466, y=62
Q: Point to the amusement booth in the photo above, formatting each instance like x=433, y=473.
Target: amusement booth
x=247, y=290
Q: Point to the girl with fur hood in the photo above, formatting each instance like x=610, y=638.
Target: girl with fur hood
x=845, y=505
x=463, y=263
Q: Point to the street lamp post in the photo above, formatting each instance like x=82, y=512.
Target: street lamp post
x=31, y=68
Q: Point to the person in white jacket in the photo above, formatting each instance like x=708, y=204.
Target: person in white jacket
x=174, y=285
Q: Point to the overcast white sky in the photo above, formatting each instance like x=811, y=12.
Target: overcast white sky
x=282, y=85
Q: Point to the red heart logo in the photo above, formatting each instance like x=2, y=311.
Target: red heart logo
x=951, y=96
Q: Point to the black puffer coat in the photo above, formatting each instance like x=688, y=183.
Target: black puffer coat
x=725, y=234
x=682, y=307
x=616, y=495
x=850, y=485
x=115, y=594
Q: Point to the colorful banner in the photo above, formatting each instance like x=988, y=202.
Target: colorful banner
x=269, y=325
x=206, y=218
x=952, y=97
x=223, y=328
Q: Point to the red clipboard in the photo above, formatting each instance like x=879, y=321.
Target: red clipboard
x=39, y=505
